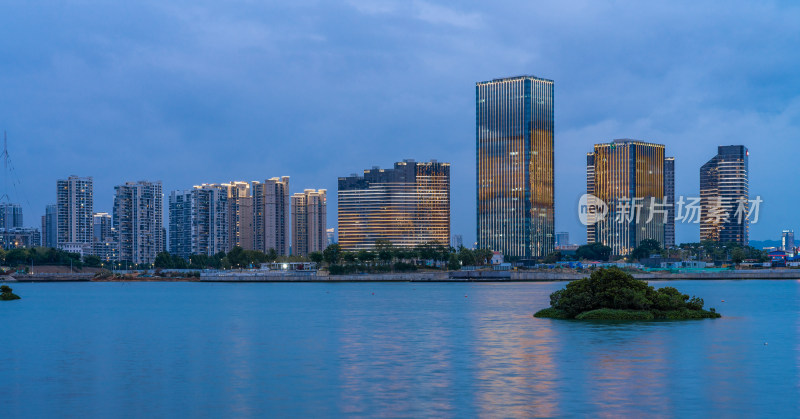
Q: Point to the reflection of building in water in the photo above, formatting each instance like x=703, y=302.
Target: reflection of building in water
x=515, y=367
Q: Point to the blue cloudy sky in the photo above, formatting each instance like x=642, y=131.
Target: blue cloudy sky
x=197, y=91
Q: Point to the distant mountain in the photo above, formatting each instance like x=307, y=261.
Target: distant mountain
x=760, y=244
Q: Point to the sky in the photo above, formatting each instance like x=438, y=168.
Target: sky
x=191, y=92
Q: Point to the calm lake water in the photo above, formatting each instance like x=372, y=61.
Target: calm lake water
x=388, y=349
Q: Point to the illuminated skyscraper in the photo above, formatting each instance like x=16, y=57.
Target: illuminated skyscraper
x=309, y=222
x=724, y=187
x=408, y=206
x=515, y=180
x=628, y=174
x=787, y=241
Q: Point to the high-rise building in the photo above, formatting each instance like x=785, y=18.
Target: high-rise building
x=407, y=206
x=309, y=221
x=724, y=191
x=138, y=221
x=515, y=182
x=240, y=215
x=271, y=215
x=456, y=241
x=10, y=216
x=591, y=229
x=102, y=226
x=669, y=195
x=562, y=238
x=49, y=226
x=105, y=245
x=75, y=201
x=331, y=232
x=628, y=175
x=209, y=220
x=787, y=241
x=180, y=223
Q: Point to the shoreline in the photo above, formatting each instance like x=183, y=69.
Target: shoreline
x=452, y=276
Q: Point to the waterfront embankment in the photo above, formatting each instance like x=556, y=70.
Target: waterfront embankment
x=428, y=276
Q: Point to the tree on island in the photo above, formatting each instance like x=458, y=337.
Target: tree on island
x=611, y=294
x=6, y=293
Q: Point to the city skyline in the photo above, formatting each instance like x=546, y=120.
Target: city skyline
x=368, y=96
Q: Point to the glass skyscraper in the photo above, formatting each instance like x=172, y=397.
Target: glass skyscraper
x=407, y=206
x=619, y=172
x=515, y=181
x=723, y=185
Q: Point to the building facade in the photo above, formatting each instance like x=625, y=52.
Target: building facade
x=724, y=191
x=628, y=175
x=515, y=174
x=50, y=226
x=19, y=237
x=75, y=214
x=105, y=245
x=138, y=221
x=562, y=238
x=787, y=241
x=669, y=196
x=407, y=206
x=240, y=215
x=272, y=215
x=309, y=222
x=10, y=215
x=180, y=223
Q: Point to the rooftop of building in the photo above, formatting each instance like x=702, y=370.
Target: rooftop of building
x=514, y=78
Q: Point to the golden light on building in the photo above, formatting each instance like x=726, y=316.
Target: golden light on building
x=408, y=206
x=515, y=185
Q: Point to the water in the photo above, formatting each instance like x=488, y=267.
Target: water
x=388, y=349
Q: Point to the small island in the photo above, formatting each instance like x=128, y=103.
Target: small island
x=6, y=294
x=611, y=294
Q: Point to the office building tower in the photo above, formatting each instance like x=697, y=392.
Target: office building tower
x=180, y=223
x=10, y=216
x=629, y=177
x=407, y=206
x=138, y=221
x=331, y=232
x=49, y=226
x=515, y=180
x=787, y=241
x=75, y=202
x=724, y=189
x=309, y=222
x=240, y=215
x=271, y=215
x=562, y=238
x=669, y=195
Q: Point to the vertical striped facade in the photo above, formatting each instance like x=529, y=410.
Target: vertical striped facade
x=515, y=173
x=624, y=170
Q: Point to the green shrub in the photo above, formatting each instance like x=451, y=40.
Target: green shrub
x=551, y=313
